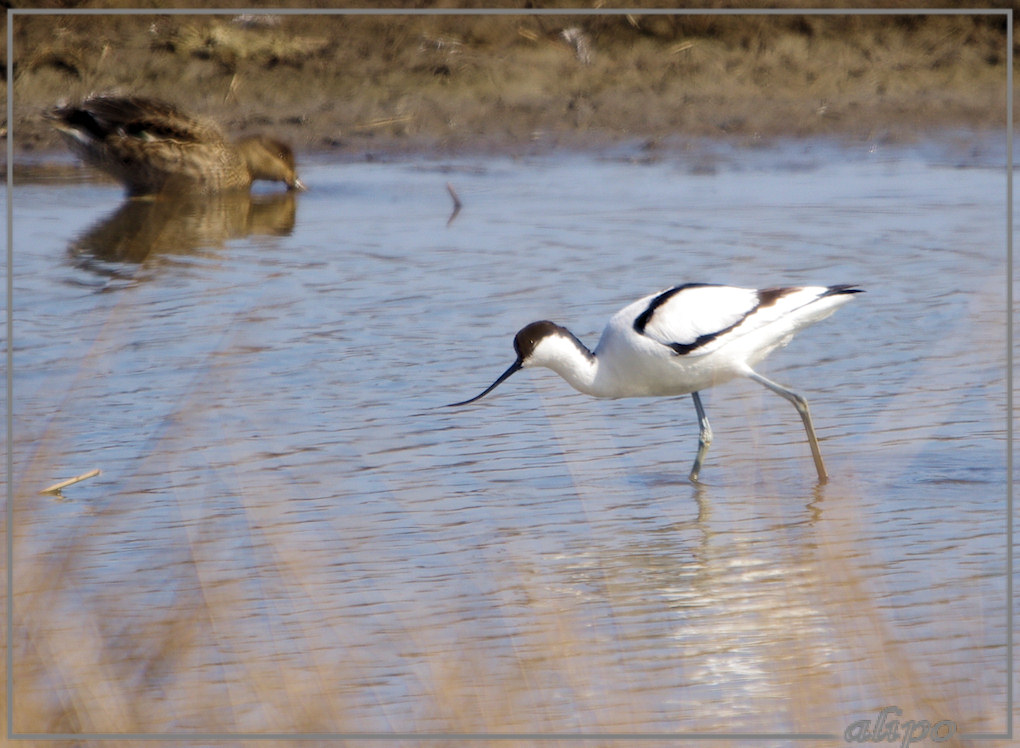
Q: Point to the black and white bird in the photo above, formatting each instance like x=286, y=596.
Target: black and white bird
x=683, y=340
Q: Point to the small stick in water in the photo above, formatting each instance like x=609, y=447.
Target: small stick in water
x=55, y=488
x=456, y=203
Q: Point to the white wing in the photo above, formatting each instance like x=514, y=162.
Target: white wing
x=687, y=318
x=696, y=320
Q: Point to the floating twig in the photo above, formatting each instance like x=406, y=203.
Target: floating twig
x=453, y=194
x=55, y=488
x=456, y=203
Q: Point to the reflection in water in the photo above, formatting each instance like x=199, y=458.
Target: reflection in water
x=180, y=224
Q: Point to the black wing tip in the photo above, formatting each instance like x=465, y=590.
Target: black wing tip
x=843, y=288
x=68, y=118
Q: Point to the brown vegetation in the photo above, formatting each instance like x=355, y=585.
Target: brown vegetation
x=421, y=81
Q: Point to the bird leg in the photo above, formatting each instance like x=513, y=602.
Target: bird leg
x=704, y=436
x=805, y=415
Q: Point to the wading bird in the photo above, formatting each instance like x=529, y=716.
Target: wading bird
x=683, y=340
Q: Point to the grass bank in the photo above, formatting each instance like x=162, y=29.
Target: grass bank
x=482, y=81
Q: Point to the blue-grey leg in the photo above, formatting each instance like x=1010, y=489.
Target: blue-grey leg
x=704, y=436
x=805, y=415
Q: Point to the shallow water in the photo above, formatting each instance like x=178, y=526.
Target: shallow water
x=290, y=535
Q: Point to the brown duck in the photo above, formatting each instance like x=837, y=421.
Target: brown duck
x=151, y=146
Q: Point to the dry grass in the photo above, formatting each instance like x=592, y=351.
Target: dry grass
x=206, y=642
x=208, y=661
x=413, y=81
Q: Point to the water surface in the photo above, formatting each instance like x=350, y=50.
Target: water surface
x=289, y=534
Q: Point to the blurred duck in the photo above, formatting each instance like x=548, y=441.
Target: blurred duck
x=151, y=146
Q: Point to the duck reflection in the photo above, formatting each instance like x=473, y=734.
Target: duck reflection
x=141, y=229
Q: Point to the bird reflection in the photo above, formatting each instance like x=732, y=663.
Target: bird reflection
x=141, y=229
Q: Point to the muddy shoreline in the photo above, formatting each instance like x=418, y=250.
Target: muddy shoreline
x=355, y=85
